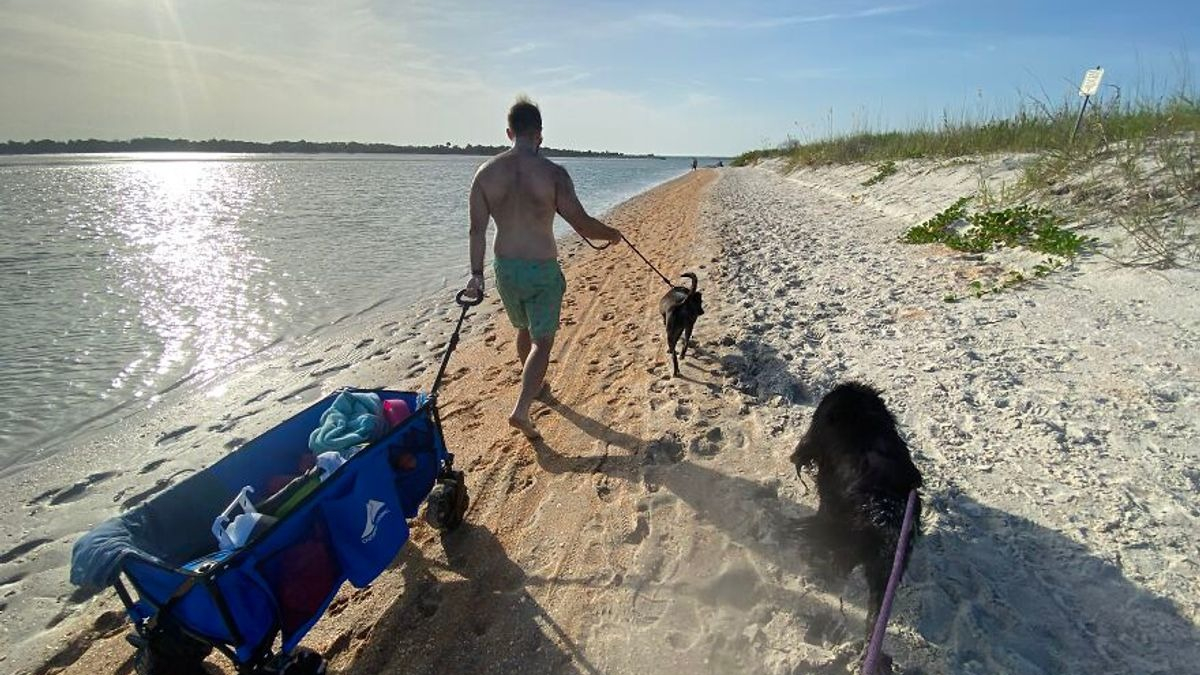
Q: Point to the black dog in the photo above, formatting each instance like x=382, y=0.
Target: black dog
x=680, y=308
x=864, y=473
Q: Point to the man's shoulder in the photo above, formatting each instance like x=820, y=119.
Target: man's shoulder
x=492, y=161
x=490, y=165
x=553, y=168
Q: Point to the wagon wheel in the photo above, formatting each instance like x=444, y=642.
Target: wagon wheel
x=446, y=506
x=302, y=661
x=165, y=650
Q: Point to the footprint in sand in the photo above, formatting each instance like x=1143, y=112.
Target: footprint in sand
x=76, y=491
x=259, y=397
x=172, y=435
x=329, y=371
x=22, y=548
x=72, y=492
x=10, y=581
x=58, y=618
x=159, y=486
x=429, y=598
x=683, y=411
x=457, y=374
x=667, y=449
x=708, y=445
x=298, y=391
x=641, y=529
x=342, y=643
x=228, y=423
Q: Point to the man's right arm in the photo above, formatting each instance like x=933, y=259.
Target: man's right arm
x=566, y=202
x=478, y=213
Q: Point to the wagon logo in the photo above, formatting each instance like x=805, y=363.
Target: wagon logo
x=376, y=510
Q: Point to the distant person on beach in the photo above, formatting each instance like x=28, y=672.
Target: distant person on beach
x=522, y=191
x=694, y=164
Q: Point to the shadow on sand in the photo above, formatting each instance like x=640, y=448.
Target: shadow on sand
x=998, y=593
x=751, y=513
x=494, y=624
x=761, y=371
x=989, y=591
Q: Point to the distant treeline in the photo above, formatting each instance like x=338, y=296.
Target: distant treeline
x=91, y=145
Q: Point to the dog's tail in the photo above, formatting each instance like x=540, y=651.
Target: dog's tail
x=695, y=282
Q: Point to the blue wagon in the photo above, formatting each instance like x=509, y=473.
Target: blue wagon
x=255, y=603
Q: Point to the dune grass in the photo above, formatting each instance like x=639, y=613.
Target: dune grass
x=1036, y=128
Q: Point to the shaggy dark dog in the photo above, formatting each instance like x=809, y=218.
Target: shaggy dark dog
x=864, y=473
x=680, y=308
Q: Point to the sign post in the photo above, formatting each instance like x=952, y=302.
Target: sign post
x=1089, y=87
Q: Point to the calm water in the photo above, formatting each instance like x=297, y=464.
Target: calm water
x=124, y=275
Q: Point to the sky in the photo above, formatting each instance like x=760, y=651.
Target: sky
x=708, y=77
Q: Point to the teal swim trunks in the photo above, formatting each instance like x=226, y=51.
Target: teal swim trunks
x=532, y=292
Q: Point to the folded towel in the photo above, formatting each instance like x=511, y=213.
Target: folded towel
x=351, y=419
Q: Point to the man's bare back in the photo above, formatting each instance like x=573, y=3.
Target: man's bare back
x=521, y=191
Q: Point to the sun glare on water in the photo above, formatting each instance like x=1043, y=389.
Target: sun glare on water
x=192, y=268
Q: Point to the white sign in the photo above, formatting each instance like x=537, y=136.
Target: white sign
x=1091, y=82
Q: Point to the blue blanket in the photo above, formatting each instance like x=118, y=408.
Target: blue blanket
x=352, y=418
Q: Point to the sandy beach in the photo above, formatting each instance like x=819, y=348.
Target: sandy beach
x=652, y=530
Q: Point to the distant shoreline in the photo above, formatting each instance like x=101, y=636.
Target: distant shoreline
x=93, y=146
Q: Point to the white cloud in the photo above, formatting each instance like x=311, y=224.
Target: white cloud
x=606, y=119
x=523, y=48
x=689, y=22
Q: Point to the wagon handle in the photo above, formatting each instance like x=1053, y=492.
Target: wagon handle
x=466, y=302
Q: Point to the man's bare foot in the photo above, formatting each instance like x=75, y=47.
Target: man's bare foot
x=525, y=426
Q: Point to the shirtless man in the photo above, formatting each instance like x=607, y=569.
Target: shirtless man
x=522, y=191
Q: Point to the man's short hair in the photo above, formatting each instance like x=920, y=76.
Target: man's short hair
x=524, y=117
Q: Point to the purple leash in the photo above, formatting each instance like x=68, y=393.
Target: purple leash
x=875, y=648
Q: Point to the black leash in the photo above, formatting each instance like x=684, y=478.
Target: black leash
x=639, y=254
x=466, y=303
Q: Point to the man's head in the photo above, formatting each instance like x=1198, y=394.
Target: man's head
x=525, y=121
